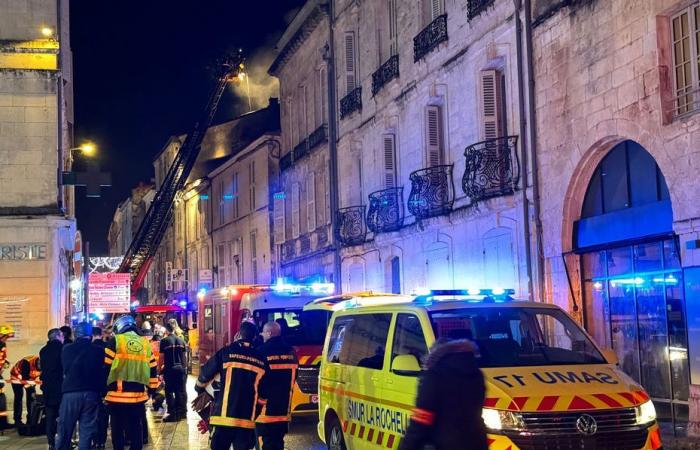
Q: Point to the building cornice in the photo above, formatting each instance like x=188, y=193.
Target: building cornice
x=298, y=31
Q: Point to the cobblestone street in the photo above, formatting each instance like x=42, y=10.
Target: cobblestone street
x=176, y=436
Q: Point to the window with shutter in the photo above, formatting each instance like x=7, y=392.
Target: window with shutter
x=279, y=222
x=254, y=255
x=389, y=147
x=393, y=28
x=492, y=104
x=322, y=80
x=251, y=186
x=433, y=135
x=302, y=113
x=350, y=60
x=326, y=184
x=235, y=195
x=221, y=195
x=237, y=261
x=311, y=202
x=295, y=211
x=435, y=9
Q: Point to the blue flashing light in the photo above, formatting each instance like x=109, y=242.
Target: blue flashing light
x=498, y=295
x=319, y=288
x=204, y=197
x=279, y=196
x=229, y=196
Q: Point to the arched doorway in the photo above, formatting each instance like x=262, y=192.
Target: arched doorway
x=632, y=278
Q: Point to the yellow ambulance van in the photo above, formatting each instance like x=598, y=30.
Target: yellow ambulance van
x=548, y=385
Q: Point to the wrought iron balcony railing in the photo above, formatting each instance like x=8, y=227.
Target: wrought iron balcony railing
x=351, y=225
x=300, y=150
x=476, y=7
x=430, y=37
x=386, y=72
x=289, y=250
x=286, y=161
x=318, y=136
x=351, y=102
x=385, y=210
x=432, y=192
x=305, y=243
x=492, y=169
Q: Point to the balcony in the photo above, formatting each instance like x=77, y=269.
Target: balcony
x=385, y=212
x=301, y=150
x=351, y=225
x=317, y=137
x=286, y=162
x=476, y=7
x=386, y=72
x=432, y=192
x=492, y=169
x=427, y=40
x=289, y=250
x=351, y=103
x=305, y=243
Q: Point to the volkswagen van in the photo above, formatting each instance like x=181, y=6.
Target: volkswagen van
x=549, y=386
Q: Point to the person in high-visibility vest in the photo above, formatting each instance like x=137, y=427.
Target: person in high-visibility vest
x=132, y=372
x=6, y=332
x=24, y=376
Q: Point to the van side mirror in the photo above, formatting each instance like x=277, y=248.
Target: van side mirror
x=406, y=365
x=610, y=356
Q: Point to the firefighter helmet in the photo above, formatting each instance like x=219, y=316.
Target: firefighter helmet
x=123, y=324
x=7, y=330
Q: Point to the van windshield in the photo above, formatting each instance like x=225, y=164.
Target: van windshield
x=509, y=336
x=298, y=327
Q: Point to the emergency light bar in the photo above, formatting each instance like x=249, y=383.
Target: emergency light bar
x=475, y=294
x=314, y=288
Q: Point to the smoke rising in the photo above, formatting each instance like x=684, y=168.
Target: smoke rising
x=258, y=84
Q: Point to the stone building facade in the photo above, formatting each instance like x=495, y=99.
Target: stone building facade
x=37, y=226
x=128, y=217
x=236, y=164
x=303, y=237
x=428, y=146
x=616, y=88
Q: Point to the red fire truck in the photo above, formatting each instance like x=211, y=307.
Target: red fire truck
x=221, y=312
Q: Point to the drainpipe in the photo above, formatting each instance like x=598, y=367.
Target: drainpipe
x=523, y=147
x=532, y=137
x=329, y=56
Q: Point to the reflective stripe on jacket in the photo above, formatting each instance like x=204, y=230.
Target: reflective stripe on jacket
x=26, y=371
x=277, y=384
x=241, y=368
x=132, y=369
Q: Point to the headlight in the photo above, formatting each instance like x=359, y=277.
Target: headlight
x=495, y=419
x=646, y=413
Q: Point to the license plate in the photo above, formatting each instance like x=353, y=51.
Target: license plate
x=314, y=399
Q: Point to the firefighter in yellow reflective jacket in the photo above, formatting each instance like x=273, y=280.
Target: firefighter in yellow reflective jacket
x=6, y=332
x=132, y=372
x=241, y=367
x=24, y=377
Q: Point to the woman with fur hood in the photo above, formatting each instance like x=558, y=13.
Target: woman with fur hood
x=450, y=396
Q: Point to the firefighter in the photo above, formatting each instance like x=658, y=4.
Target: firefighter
x=450, y=396
x=275, y=388
x=132, y=372
x=6, y=332
x=241, y=367
x=24, y=376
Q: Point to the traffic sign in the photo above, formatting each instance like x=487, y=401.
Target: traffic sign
x=110, y=292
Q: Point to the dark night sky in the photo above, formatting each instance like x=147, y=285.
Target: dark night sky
x=143, y=71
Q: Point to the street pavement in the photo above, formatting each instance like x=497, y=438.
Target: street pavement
x=179, y=436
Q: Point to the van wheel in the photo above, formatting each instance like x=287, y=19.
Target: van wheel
x=334, y=435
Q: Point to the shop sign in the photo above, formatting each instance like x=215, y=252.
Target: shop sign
x=23, y=252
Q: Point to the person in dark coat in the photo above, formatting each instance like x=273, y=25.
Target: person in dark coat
x=272, y=424
x=450, y=397
x=100, y=437
x=173, y=361
x=51, y=381
x=67, y=334
x=83, y=385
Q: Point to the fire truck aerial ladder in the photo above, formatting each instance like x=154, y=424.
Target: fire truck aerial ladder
x=142, y=249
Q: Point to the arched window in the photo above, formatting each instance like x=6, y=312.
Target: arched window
x=627, y=177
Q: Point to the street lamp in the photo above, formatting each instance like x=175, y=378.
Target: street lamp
x=47, y=32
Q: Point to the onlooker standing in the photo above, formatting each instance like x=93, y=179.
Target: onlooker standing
x=83, y=383
x=132, y=371
x=240, y=366
x=100, y=437
x=23, y=376
x=67, y=334
x=6, y=332
x=173, y=364
x=450, y=396
x=52, y=381
x=276, y=388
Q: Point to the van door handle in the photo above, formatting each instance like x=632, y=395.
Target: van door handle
x=375, y=379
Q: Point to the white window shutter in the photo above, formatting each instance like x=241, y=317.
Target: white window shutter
x=389, y=149
x=433, y=135
x=435, y=9
x=311, y=202
x=492, y=104
x=350, y=61
x=327, y=189
x=279, y=222
x=295, y=211
x=393, y=28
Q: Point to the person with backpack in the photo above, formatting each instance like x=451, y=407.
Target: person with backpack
x=83, y=384
x=52, y=382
